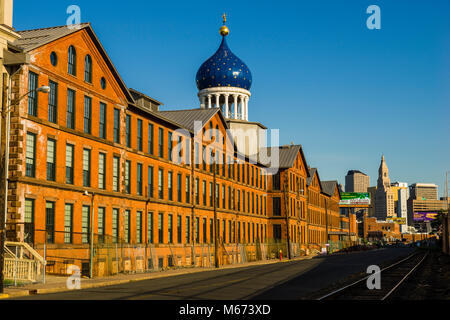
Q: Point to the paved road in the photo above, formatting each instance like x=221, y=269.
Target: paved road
x=288, y=280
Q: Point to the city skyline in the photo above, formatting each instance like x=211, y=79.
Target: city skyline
x=318, y=62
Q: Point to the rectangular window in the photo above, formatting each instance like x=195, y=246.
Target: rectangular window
x=150, y=227
x=211, y=204
x=33, y=95
x=53, y=102
x=86, y=167
x=170, y=228
x=229, y=231
x=69, y=163
x=116, y=173
x=179, y=187
x=161, y=143
x=179, y=228
x=161, y=184
x=128, y=176
x=217, y=196
x=87, y=114
x=139, y=135
x=223, y=196
x=197, y=229
x=188, y=151
x=169, y=185
x=68, y=223
x=31, y=155
x=276, y=181
x=139, y=179
x=139, y=227
x=224, y=232
x=101, y=170
x=203, y=157
x=211, y=230
x=188, y=230
x=150, y=138
x=51, y=160
x=277, y=232
x=197, y=156
x=115, y=225
x=102, y=121
x=170, y=146
x=160, y=228
x=179, y=146
x=197, y=191
x=29, y=221
x=70, y=109
x=50, y=221
x=204, y=192
x=116, y=125
x=204, y=230
x=101, y=225
x=276, y=206
x=85, y=224
x=128, y=131
x=150, y=182
x=188, y=189
x=126, y=227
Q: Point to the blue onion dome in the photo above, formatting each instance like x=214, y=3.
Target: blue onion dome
x=224, y=69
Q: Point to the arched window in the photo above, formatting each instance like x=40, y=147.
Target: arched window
x=72, y=61
x=88, y=69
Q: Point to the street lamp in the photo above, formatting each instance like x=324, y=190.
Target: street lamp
x=7, y=111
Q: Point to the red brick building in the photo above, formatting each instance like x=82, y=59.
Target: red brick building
x=93, y=157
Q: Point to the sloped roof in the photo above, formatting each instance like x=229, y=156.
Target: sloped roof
x=287, y=155
x=187, y=118
x=329, y=187
x=32, y=39
x=312, y=172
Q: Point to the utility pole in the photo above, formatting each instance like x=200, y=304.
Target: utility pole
x=286, y=204
x=216, y=242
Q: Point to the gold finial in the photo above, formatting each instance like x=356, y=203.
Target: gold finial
x=224, y=29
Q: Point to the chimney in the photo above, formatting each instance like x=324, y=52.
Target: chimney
x=6, y=13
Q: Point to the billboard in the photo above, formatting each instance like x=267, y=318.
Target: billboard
x=355, y=198
x=396, y=220
x=424, y=216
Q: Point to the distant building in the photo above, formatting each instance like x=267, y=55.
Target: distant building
x=384, y=195
x=424, y=199
x=357, y=181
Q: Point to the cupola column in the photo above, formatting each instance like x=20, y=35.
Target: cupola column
x=202, y=102
x=217, y=100
x=209, y=101
x=246, y=108
x=235, y=106
x=226, y=105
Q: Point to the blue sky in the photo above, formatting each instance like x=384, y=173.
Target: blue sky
x=346, y=93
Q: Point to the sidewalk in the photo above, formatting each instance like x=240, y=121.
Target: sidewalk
x=58, y=283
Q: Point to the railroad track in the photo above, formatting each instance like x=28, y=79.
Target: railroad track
x=392, y=278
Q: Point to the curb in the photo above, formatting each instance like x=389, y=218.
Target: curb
x=31, y=292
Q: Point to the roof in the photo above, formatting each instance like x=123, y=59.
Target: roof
x=312, y=172
x=35, y=38
x=187, y=118
x=286, y=154
x=352, y=172
x=329, y=187
x=137, y=94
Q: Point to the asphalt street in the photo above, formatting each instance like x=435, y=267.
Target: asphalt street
x=278, y=281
